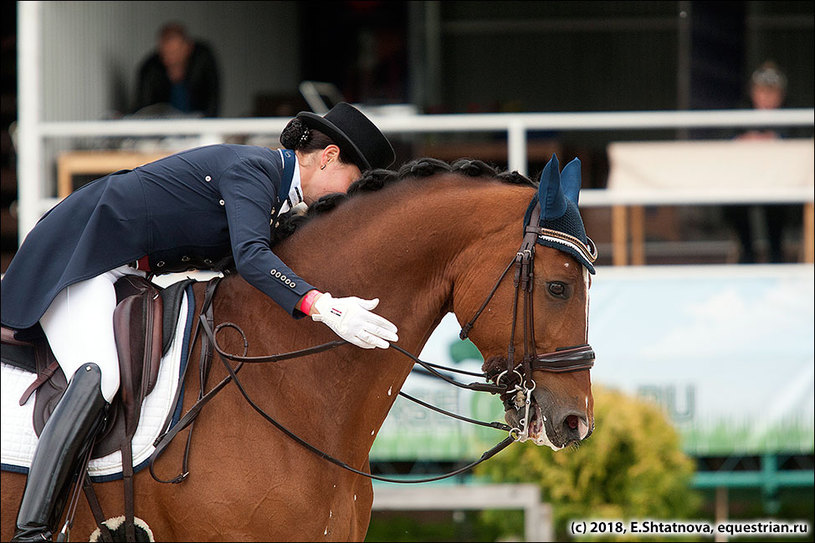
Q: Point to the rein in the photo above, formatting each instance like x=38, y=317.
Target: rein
x=204, y=322
x=517, y=388
x=233, y=374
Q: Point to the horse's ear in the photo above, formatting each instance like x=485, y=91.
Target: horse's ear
x=550, y=194
x=570, y=179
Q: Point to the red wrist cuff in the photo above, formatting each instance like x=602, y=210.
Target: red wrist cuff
x=308, y=300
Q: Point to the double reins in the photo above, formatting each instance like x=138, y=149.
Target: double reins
x=517, y=379
x=204, y=323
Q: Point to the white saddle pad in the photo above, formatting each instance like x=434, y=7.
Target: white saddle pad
x=16, y=422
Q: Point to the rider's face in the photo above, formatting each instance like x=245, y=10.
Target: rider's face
x=328, y=176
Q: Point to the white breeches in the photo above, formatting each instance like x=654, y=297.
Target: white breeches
x=79, y=327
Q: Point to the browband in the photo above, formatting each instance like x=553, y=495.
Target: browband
x=588, y=250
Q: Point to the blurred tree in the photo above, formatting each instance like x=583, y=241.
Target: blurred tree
x=631, y=467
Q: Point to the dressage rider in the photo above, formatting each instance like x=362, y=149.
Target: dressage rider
x=186, y=211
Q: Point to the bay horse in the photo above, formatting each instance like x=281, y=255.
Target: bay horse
x=434, y=242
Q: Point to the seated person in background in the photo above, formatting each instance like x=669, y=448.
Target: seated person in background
x=767, y=90
x=181, y=73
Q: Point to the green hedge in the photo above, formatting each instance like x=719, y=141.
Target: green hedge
x=632, y=467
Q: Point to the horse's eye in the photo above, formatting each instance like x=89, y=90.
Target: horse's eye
x=557, y=289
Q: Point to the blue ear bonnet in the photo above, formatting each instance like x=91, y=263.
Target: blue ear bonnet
x=560, y=222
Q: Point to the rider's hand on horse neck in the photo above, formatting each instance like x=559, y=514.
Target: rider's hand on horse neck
x=351, y=319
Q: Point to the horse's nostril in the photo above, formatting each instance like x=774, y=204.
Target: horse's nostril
x=572, y=421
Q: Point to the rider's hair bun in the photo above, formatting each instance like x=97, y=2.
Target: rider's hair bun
x=295, y=135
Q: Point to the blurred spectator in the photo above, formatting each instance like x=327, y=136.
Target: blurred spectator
x=181, y=73
x=767, y=90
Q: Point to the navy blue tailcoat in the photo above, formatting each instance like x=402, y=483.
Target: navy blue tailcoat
x=185, y=211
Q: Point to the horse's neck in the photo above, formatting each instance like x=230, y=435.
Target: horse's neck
x=407, y=246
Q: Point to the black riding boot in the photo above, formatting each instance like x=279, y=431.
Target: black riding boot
x=65, y=439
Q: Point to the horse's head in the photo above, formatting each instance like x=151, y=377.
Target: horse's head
x=543, y=299
x=440, y=243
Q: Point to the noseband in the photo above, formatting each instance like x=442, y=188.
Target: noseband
x=516, y=379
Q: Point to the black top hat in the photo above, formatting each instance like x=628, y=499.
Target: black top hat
x=354, y=134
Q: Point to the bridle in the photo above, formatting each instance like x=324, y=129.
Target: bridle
x=518, y=387
x=514, y=383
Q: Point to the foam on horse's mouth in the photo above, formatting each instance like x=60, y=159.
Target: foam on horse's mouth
x=537, y=425
x=537, y=428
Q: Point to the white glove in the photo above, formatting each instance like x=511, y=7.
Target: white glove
x=351, y=319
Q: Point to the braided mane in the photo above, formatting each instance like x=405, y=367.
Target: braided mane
x=374, y=180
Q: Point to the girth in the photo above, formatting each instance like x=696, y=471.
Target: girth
x=140, y=343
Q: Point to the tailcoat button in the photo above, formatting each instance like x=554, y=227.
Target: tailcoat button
x=208, y=178
x=221, y=202
x=208, y=261
x=160, y=264
x=185, y=259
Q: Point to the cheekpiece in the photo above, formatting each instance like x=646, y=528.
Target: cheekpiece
x=561, y=226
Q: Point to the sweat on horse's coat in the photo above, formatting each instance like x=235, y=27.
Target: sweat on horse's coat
x=433, y=243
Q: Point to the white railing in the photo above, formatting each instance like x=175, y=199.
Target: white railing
x=33, y=200
x=538, y=522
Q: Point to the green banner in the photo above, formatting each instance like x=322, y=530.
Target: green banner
x=726, y=351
